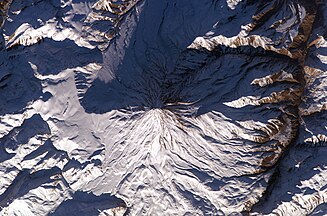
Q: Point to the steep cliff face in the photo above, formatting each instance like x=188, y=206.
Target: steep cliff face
x=171, y=107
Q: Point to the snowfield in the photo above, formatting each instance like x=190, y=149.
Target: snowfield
x=163, y=107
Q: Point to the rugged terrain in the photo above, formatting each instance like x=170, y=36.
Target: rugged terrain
x=163, y=107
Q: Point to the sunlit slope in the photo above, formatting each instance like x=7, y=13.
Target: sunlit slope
x=172, y=107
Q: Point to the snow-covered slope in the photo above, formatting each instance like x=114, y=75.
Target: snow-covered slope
x=163, y=107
